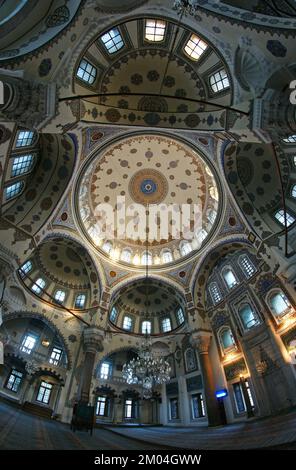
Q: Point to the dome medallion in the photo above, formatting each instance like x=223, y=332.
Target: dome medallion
x=148, y=186
x=147, y=178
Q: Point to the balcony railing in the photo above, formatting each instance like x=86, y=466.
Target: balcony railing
x=42, y=359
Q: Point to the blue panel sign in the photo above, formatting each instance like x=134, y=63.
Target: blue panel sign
x=221, y=393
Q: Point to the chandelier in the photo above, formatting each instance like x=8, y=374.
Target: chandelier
x=185, y=7
x=147, y=370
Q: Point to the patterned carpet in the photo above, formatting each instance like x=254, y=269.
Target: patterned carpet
x=277, y=433
x=22, y=431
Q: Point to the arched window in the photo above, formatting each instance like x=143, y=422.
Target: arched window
x=26, y=268
x=279, y=304
x=195, y=47
x=113, y=315
x=293, y=191
x=80, y=300
x=103, y=406
x=38, y=286
x=126, y=255
x=215, y=292
x=219, y=81
x=146, y=327
x=107, y=247
x=86, y=72
x=105, y=370
x=59, y=296
x=112, y=40
x=167, y=256
x=13, y=190
x=280, y=216
x=201, y=236
x=180, y=316
x=127, y=323
x=84, y=214
x=136, y=259
x=94, y=233
x=185, y=248
x=291, y=139
x=21, y=165
x=146, y=258
x=212, y=214
x=155, y=30
x=166, y=324
x=24, y=138
x=190, y=360
x=214, y=192
x=246, y=265
x=226, y=339
x=229, y=278
x=248, y=316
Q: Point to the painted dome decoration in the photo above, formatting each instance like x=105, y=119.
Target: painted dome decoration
x=147, y=199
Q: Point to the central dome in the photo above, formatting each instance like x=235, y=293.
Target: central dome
x=147, y=199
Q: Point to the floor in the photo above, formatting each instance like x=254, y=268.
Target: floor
x=22, y=431
x=273, y=433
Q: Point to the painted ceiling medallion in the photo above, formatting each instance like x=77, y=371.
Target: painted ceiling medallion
x=147, y=171
x=148, y=187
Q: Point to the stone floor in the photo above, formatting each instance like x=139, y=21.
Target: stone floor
x=22, y=431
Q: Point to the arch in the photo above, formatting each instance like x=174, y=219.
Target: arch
x=122, y=285
x=64, y=233
x=190, y=359
x=45, y=185
x=229, y=276
x=248, y=315
x=72, y=283
x=110, y=353
x=7, y=317
x=39, y=30
x=247, y=178
x=226, y=339
x=278, y=303
x=208, y=260
x=49, y=371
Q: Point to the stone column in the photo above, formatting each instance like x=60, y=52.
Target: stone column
x=57, y=398
x=92, y=343
x=200, y=340
x=163, y=406
x=184, y=401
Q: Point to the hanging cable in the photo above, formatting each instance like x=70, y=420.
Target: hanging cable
x=278, y=167
x=155, y=95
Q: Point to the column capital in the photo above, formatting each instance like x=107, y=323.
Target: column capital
x=200, y=340
x=93, y=338
x=31, y=104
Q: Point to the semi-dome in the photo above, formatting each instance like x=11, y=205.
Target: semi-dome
x=61, y=272
x=149, y=307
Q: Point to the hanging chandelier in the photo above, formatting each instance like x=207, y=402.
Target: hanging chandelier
x=147, y=370
x=185, y=7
